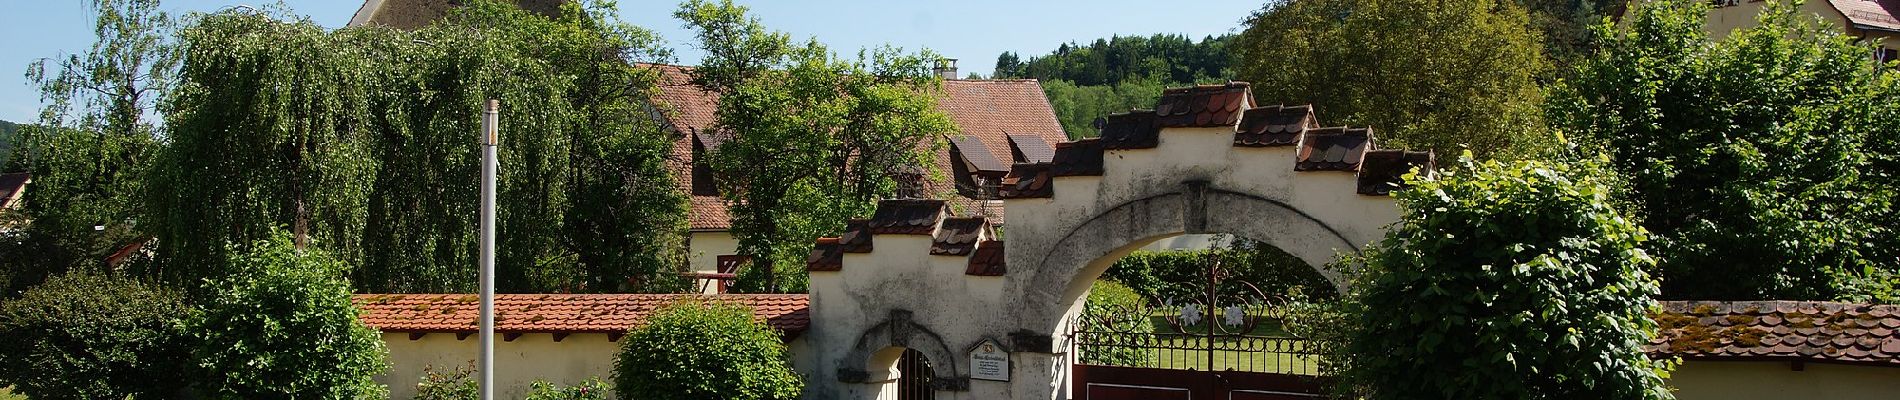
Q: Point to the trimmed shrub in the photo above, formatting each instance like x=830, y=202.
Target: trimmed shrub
x=1504, y=281
x=284, y=327
x=86, y=336
x=591, y=389
x=1115, y=316
x=710, y=351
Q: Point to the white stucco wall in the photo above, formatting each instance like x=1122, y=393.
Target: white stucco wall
x=1770, y=380
x=1057, y=247
x=520, y=362
x=706, y=247
x=517, y=363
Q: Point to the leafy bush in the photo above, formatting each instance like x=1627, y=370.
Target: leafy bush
x=591, y=389
x=1764, y=163
x=457, y=384
x=1504, y=281
x=1116, y=316
x=711, y=351
x=284, y=327
x=86, y=336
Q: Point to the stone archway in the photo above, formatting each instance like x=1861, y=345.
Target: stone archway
x=1207, y=160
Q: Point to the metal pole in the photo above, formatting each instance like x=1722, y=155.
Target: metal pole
x=490, y=140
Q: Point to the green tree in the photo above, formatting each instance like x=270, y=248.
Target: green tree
x=92, y=142
x=363, y=146
x=704, y=351
x=811, y=140
x=87, y=336
x=281, y=326
x=1763, y=163
x=1504, y=281
x=1424, y=73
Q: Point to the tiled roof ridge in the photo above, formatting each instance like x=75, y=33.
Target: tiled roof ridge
x=560, y=313
x=951, y=236
x=1821, y=331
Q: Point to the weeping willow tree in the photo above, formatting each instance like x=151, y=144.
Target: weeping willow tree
x=361, y=142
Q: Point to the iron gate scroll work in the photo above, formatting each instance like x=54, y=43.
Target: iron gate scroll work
x=1229, y=345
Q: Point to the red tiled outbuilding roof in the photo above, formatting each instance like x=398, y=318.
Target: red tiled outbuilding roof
x=561, y=313
x=12, y=186
x=1870, y=14
x=984, y=111
x=1779, y=330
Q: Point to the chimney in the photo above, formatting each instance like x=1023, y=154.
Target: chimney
x=946, y=68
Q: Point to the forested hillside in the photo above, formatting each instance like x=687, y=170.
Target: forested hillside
x=1113, y=75
x=7, y=130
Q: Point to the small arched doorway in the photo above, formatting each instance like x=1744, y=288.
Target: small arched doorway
x=914, y=376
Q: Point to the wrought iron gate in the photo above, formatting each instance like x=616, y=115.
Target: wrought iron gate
x=913, y=380
x=1222, y=345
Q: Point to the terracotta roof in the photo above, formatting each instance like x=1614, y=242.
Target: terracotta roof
x=856, y=237
x=1870, y=14
x=1130, y=130
x=907, y=217
x=987, y=111
x=827, y=255
x=1033, y=148
x=12, y=187
x=957, y=237
x=1203, y=105
x=1078, y=158
x=977, y=154
x=1028, y=181
x=1274, y=126
x=992, y=109
x=560, y=313
x=989, y=260
x=1786, y=330
x=1333, y=149
x=1383, y=170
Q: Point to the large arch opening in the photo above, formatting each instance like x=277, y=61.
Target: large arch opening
x=1073, y=264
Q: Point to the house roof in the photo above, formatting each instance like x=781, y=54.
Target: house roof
x=1870, y=14
x=985, y=111
x=1779, y=330
x=12, y=187
x=561, y=313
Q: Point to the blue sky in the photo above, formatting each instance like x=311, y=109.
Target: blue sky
x=974, y=31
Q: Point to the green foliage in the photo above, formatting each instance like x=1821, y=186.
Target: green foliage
x=87, y=336
x=1504, y=281
x=1077, y=107
x=710, y=351
x=364, y=144
x=812, y=140
x=91, y=144
x=1181, y=274
x=1763, y=163
x=1117, y=74
x=8, y=131
x=591, y=389
x=1117, y=59
x=1108, y=309
x=456, y=384
x=282, y=326
x=1423, y=73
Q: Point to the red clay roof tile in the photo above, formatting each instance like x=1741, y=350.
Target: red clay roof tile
x=1816, y=331
x=560, y=313
x=1333, y=149
x=1203, y=105
x=989, y=260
